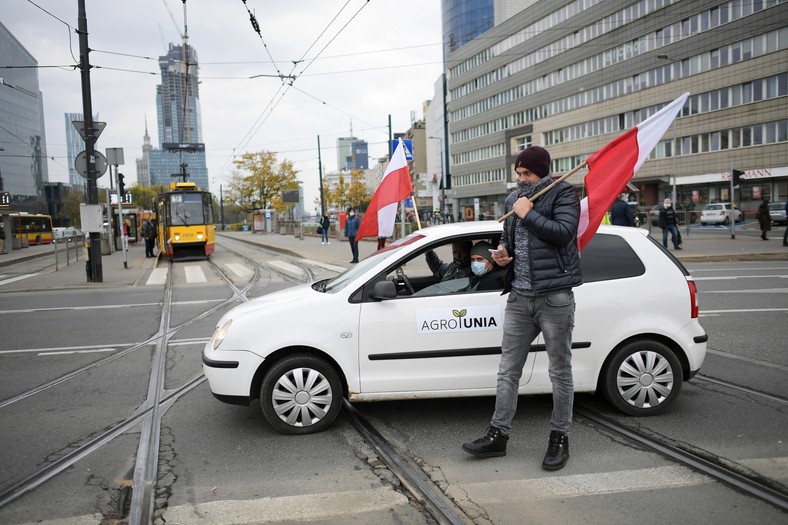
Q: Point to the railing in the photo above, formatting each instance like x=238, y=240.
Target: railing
x=65, y=244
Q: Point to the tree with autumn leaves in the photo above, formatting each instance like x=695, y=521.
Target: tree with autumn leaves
x=260, y=182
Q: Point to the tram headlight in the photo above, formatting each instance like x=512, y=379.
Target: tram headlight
x=177, y=237
x=199, y=237
x=219, y=333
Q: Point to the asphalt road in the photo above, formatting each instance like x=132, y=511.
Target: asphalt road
x=77, y=362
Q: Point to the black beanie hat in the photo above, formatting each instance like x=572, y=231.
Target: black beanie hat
x=535, y=159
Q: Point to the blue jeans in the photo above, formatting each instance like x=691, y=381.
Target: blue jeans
x=674, y=235
x=325, y=234
x=553, y=315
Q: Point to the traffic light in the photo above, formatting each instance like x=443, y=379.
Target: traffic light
x=737, y=177
x=121, y=187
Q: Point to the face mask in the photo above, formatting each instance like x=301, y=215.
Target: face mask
x=666, y=206
x=478, y=268
x=351, y=214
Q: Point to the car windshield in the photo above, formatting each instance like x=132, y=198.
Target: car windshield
x=392, y=250
x=777, y=206
x=712, y=207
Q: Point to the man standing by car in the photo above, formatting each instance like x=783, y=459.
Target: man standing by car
x=667, y=221
x=539, y=244
x=621, y=213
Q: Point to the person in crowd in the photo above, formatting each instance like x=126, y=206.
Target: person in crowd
x=785, y=235
x=149, y=235
x=667, y=221
x=539, y=246
x=381, y=242
x=764, y=218
x=621, y=213
x=325, y=227
x=486, y=274
x=460, y=265
x=351, y=229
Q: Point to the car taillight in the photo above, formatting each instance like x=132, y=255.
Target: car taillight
x=693, y=299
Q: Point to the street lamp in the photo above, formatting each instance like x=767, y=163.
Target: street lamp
x=443, y=178
x=675, y=133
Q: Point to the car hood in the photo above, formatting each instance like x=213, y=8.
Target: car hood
x=272, y=300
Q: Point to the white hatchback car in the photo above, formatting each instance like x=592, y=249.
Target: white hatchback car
x=387, y=329
x=719, y=213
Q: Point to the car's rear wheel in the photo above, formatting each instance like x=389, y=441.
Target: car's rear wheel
x=301, y=394
x=643, y=378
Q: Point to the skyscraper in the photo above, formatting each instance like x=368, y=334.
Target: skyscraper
x=23, y=166
x=352, y=154
x=178, y=115
x=143, y=164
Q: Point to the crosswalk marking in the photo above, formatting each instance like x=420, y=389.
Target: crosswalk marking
x=17, y=278
x=157, y=277
x=240, y=270
x=194, y=274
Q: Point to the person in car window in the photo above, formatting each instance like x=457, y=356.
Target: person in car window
x=764, y=218
x=486, y=274
x=460, y=266
x=539, y=246
x=667, y=221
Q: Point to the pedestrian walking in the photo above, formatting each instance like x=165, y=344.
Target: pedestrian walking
x=621, y=213
x=539, y=246
x=764, y=218
x=667, y=221
x=351, y=229
x=325, y=227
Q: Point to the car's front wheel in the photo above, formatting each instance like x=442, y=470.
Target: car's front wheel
x=301, y=394
x=643, y=378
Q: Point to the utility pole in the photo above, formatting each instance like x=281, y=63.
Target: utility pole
x=320, y=174
x=90, y=139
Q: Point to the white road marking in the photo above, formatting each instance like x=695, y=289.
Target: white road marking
x=157, y=277
x=742, y=311
x=194, y=274
x=755, y=290
x=291, y=268
x=579, y=485
x=63, y=349
x=736, y=277
x=301, y=508
x=326, y=265
x=66, y=352
x=17, y=278
x=240, y=270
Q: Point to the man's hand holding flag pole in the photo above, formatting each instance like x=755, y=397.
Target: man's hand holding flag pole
x=611, y=167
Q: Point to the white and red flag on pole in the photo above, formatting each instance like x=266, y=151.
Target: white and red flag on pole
x=610, y=168
x=378, y=221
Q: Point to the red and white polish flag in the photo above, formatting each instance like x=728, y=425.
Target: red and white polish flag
x=396, y=186
x=610, y=168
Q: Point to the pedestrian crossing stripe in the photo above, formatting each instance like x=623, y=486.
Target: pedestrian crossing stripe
x=17, y=278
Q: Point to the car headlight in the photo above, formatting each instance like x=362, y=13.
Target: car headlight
x=219, y=333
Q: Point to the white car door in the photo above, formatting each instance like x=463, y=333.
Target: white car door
x=442, y=340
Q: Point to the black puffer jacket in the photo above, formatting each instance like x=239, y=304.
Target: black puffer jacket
x=552, y=239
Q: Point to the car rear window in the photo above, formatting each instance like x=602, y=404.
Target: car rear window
x=609, y=257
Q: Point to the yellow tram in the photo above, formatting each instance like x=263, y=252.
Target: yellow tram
x=185, y=227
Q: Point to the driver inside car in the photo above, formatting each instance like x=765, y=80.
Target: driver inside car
x=459, y=267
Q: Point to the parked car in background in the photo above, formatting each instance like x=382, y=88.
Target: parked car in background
x=720, y=213
x=681, y=214
x=777, y=212
x=388, y=329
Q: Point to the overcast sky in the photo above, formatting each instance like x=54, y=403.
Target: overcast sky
x=377, y=58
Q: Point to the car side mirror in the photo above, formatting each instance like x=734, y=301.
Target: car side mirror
x=383, y=290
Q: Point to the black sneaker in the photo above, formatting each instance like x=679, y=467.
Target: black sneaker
x=557, y=451
x=491, y=445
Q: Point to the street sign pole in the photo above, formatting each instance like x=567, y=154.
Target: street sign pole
x=96, y=273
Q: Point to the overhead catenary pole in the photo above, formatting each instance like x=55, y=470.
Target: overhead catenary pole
x=96, y=274
x=320, y=174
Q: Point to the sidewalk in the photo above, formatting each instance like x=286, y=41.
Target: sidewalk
x=700, y=245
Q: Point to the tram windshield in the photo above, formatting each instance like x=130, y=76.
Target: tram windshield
x=186, y=209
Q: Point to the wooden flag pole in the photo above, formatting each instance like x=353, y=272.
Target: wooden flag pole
x=415, y=211
x=556, y=181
